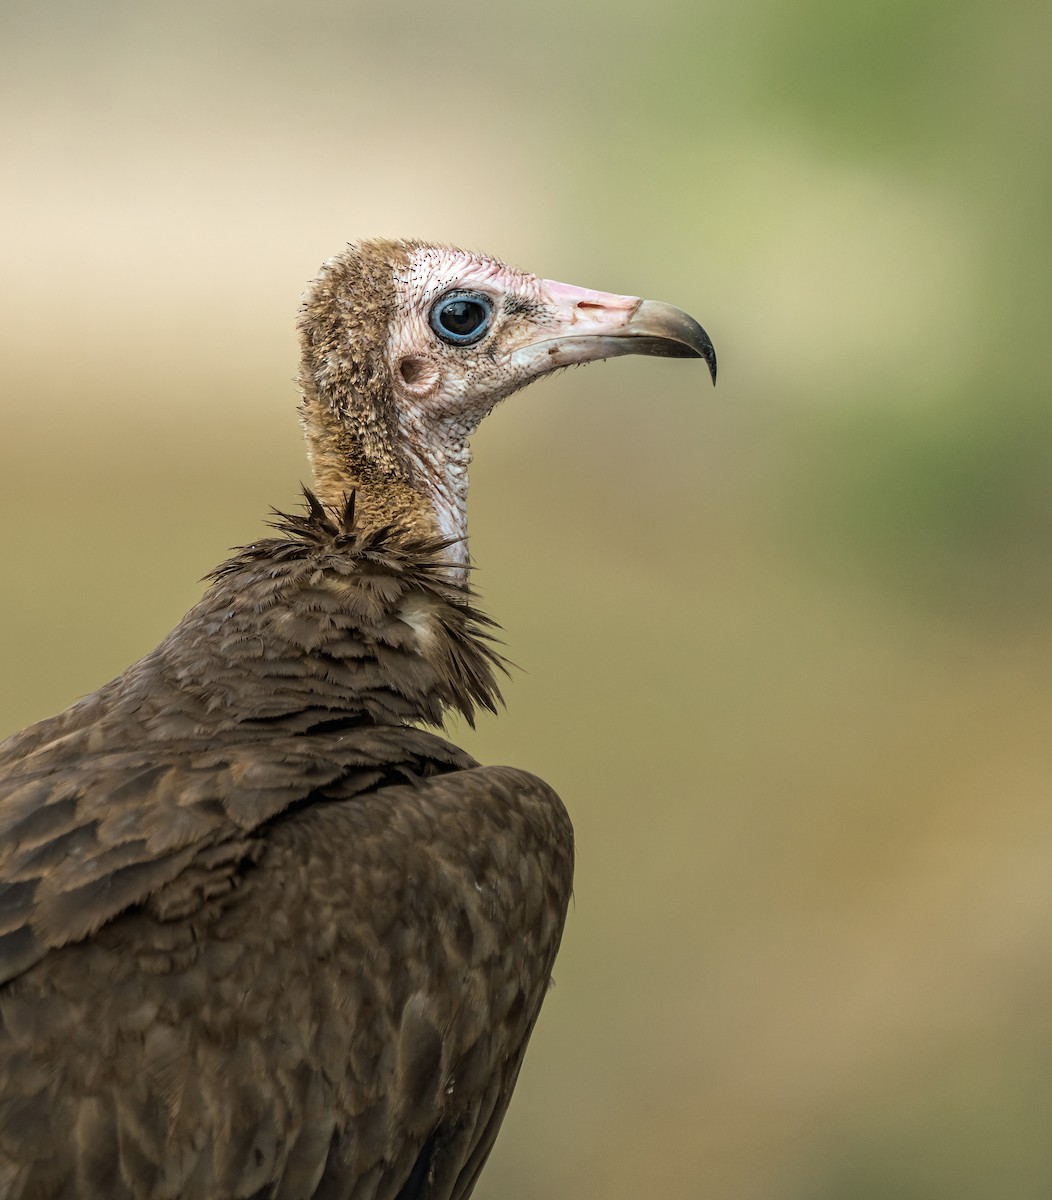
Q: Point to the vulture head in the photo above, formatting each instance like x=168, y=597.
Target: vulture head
x=407, y=346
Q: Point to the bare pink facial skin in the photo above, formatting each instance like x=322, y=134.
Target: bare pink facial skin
x=443, y=391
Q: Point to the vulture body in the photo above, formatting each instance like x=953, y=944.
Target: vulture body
x=262, y=934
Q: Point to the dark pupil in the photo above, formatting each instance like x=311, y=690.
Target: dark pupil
x=462, y=316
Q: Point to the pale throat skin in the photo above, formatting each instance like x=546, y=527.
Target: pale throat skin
x=389, y=406
x=443, y=392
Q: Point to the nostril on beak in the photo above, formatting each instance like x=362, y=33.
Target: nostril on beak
x=604, y=310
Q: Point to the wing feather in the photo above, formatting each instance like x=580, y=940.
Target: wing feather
x=365, y=989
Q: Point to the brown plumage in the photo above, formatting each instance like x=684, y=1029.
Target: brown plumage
x=261, y=934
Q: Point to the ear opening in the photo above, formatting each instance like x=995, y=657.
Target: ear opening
x=418, y=374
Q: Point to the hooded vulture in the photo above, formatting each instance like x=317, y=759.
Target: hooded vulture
x=262, y=932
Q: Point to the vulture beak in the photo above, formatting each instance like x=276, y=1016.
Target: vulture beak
x=592, y=325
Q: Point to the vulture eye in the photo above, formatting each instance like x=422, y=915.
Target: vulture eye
x=462, y=317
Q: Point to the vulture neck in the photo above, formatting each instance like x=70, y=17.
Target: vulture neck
x=422, y=495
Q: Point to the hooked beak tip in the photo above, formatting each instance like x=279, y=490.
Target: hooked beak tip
x=668, y=332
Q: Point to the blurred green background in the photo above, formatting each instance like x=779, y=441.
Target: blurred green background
x=785, y=644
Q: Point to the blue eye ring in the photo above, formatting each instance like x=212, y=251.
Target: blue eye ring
x=462, y=318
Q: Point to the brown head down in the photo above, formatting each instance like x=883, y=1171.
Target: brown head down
x=407, y=346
